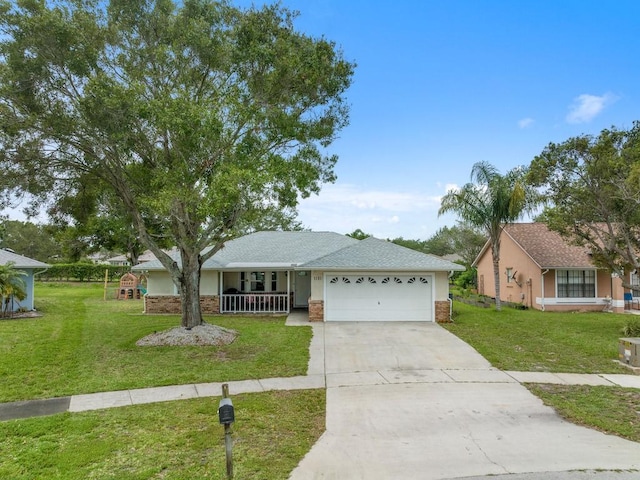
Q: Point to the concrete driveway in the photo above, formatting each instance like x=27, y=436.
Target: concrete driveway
x=412, y=401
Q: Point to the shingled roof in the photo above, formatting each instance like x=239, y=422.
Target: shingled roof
x=19, y=261
x=375, y=254
x=314, y=250
x=547, y=248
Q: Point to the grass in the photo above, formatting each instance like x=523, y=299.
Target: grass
x=612, y=410
x=531, y=340
x=84, y=344
x=173, y=440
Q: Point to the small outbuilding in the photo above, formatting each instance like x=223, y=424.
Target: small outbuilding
x=31, y=267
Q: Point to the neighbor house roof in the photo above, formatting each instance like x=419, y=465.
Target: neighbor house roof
x=548, y=249
x=314, y=250
x=20, y=261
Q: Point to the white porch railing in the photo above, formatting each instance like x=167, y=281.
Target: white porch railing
x=254, y=303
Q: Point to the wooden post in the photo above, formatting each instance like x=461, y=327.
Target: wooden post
x=227, y=437
x=106, y=281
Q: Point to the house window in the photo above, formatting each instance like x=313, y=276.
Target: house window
x=576, y=283
x=274, y=281
x=254, y=281
x=509, y=273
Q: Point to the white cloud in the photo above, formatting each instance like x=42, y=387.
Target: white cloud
x=585, y=107
x=525, y=122
x=343, y=208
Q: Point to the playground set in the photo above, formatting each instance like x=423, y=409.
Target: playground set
x=131, y=287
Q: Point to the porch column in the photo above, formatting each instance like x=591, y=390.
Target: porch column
x=220, y=290
x=289, y=291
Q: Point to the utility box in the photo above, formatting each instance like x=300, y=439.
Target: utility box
x=629, y=351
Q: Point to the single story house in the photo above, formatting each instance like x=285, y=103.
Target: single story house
x=541, y=270
x=31, y=267
x=338, y=278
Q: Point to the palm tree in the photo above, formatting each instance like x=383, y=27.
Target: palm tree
x=12, y=285
x=489, y=202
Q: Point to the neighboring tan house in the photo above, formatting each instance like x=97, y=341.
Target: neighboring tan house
x=31, y=268
x=540, y=269
x=338, y=278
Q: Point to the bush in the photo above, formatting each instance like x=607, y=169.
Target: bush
x=467, y=279
x=631, y=327
x=82, y=272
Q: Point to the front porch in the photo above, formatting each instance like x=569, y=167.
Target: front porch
x=266, y=292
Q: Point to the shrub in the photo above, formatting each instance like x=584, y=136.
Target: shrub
x=631, y=327
x=82, y=272
x=467, y=279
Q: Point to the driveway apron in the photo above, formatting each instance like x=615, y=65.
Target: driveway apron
x=412, y=401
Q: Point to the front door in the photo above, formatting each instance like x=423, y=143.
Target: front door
x=302, y=289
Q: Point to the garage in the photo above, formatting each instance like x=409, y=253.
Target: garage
x=378, y=297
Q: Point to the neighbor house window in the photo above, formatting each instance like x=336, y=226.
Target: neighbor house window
x=509, y=273
x=576, y=283
x=635, y=283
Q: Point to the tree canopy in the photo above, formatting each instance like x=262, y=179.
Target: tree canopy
x=199, y=116
x=592, y=184
x=462, y=239
x=490, y=201
x=31, y=240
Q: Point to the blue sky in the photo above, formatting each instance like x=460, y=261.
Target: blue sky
x=443, y=84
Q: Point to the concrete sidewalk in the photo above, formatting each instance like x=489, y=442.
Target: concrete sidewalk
x=123, y=398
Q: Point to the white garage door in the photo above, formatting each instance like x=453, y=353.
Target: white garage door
x=400, y=297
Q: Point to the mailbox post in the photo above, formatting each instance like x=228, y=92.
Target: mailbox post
x=226, y=415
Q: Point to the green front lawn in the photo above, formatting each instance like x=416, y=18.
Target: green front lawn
x=84, y=344
x=531, y=340
x=173, y=440
x=608, y=409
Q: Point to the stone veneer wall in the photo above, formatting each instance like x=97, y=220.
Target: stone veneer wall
x=442, y=312
x=171, y=304
x=316, y=310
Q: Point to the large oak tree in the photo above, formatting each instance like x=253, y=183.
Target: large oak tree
x=198, y=115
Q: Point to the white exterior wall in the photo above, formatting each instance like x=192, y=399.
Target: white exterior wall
x=317, y=285
x=160, y=283
x=281, y=281
x=442, y=286
x=209, y=282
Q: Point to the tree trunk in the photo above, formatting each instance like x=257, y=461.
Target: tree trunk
x=190, y=290
x=495, y=253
